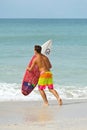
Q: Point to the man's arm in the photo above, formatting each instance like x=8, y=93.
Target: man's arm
x=49, y=64
x=32, y=66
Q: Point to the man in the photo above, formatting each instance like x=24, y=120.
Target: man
x=45, y=78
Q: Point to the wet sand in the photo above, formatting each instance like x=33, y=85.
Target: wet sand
x=72, y=115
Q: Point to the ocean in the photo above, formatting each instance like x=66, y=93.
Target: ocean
x=68, y=56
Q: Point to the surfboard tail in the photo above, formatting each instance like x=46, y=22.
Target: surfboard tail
x=27, y=88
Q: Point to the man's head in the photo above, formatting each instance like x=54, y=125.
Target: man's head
x=37, y=48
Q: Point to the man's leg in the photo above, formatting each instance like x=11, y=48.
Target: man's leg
x=54, y=92
x=44, y=96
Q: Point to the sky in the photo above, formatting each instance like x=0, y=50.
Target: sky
x=43, y=8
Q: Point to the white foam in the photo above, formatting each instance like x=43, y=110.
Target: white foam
x=12, y=92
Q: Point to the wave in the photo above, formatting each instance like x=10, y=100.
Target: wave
x=12, y=92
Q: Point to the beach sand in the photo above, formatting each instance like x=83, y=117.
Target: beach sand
x=72, y=115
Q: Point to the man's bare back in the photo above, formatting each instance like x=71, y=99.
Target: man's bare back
x=42, y=62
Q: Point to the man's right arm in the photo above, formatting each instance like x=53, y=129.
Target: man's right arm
x=49, y=64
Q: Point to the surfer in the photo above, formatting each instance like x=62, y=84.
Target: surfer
x=45, y=78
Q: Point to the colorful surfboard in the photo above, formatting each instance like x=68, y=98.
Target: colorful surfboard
x=30, y=78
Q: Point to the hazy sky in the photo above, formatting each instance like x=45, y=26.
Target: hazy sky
x=43, y=8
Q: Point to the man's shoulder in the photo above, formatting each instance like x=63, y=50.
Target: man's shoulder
x=44, y=56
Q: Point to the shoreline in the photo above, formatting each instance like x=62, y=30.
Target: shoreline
x=33, y=115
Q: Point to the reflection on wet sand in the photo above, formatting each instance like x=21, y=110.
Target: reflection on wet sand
x=41, y=115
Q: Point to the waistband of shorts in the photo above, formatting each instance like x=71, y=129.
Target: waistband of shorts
x=43, y=72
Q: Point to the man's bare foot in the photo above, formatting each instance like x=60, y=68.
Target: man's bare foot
x=45, y=104
x=60, y=101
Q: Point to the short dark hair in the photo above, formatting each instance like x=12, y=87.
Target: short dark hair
x=38, y=48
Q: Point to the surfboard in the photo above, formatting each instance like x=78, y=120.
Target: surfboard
x=30, y=78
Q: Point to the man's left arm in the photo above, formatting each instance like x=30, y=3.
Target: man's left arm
x=32, y=66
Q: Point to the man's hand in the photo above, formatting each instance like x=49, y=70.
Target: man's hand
x=28, y=69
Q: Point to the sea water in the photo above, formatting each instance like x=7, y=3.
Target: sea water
x=68, y=56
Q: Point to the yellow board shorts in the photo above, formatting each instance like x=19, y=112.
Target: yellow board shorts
x=45, y=79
